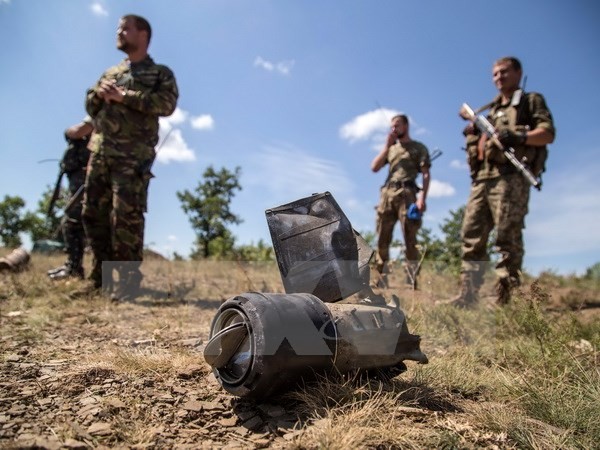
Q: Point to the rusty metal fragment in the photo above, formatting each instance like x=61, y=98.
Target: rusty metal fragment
x=15, y=261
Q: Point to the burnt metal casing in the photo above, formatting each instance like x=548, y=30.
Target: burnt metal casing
x=261, y=342
x=318, y=251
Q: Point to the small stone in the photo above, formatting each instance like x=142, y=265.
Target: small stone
x=75, y=445
x=116, y=403
x=228, y=422
x=192, y=405
x=99, y=429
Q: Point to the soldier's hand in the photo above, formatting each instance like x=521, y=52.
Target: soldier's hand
x=391, y=139
x=470, y=129
x=509, y=138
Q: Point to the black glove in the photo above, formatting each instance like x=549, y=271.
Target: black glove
x=509, y=138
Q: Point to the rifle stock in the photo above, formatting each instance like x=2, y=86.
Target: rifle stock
x=484, y=125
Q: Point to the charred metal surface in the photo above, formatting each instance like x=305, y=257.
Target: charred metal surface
x=317, y=250
x=260, y=343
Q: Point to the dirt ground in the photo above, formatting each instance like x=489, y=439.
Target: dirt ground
x=87, y=373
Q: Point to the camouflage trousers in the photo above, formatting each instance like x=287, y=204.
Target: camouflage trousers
x=392, y=208
x=72, y=225
x=499, y=203
x=113, y=210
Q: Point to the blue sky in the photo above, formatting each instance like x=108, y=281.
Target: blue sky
x=289, y=91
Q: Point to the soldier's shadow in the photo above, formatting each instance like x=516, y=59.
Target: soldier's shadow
x=151, y=297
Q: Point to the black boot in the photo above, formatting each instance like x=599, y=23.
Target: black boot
x=129, y=285
x=69, y=269
x=469, y=292
x=504, y=287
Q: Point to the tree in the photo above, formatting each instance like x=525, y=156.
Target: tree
x=208, y=210
x=259, y=252
x=43, y=225
x=12, y=220
x=447, y=251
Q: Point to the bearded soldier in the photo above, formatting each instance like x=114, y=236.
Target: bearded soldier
x=499, y=192
x=400, y=199
x=125, y=105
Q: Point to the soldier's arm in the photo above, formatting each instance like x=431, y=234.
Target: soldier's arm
x=424, y=168
x=94, y=101
x=542, y=130
x=79, y=131
x=421, y=204
x=160, y=101
x=381, y=159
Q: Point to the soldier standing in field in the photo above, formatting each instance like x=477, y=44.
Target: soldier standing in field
x=400, y=197
x=74, y=164
x=125, y=105
x=499, y=193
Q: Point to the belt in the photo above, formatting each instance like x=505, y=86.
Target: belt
x=402, y=184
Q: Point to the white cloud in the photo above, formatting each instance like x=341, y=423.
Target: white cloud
x=178, y=117
x=6, y=2
x=203, y=122
x=172, y=146
x=375, y=126
x=172, y=238
x=283, y=67
x=368, y=125
x=292, y=173
x=458, y=164
x=440, y=189
x=98, y=9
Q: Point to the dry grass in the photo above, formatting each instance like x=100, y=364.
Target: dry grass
x=525, y=376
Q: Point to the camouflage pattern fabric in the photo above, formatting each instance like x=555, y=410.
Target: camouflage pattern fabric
x=74, y=163
x=499, y=194
x=405, y=161
x=122, y=156
x=501, y=203
x=393, y=204
x=529, y=113
x=72, y=226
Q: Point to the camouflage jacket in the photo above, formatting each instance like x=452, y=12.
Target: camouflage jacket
x=406, y=160
x=525, y=112
x=131, y=127
x=76, y=156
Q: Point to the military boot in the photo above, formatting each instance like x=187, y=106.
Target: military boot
x=69, y=269
x=469, y=292
x=128, y=287
x=504, y=287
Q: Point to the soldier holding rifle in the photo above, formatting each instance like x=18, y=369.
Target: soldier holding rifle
x=73, y=164
x=503, y=165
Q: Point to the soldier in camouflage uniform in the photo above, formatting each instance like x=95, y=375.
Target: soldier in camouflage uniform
x=125, y=105
x=74, y=164
x=499, y=193
x=406, y=159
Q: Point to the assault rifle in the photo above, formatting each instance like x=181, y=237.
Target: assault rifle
x=484, y=125
x=56, y=192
